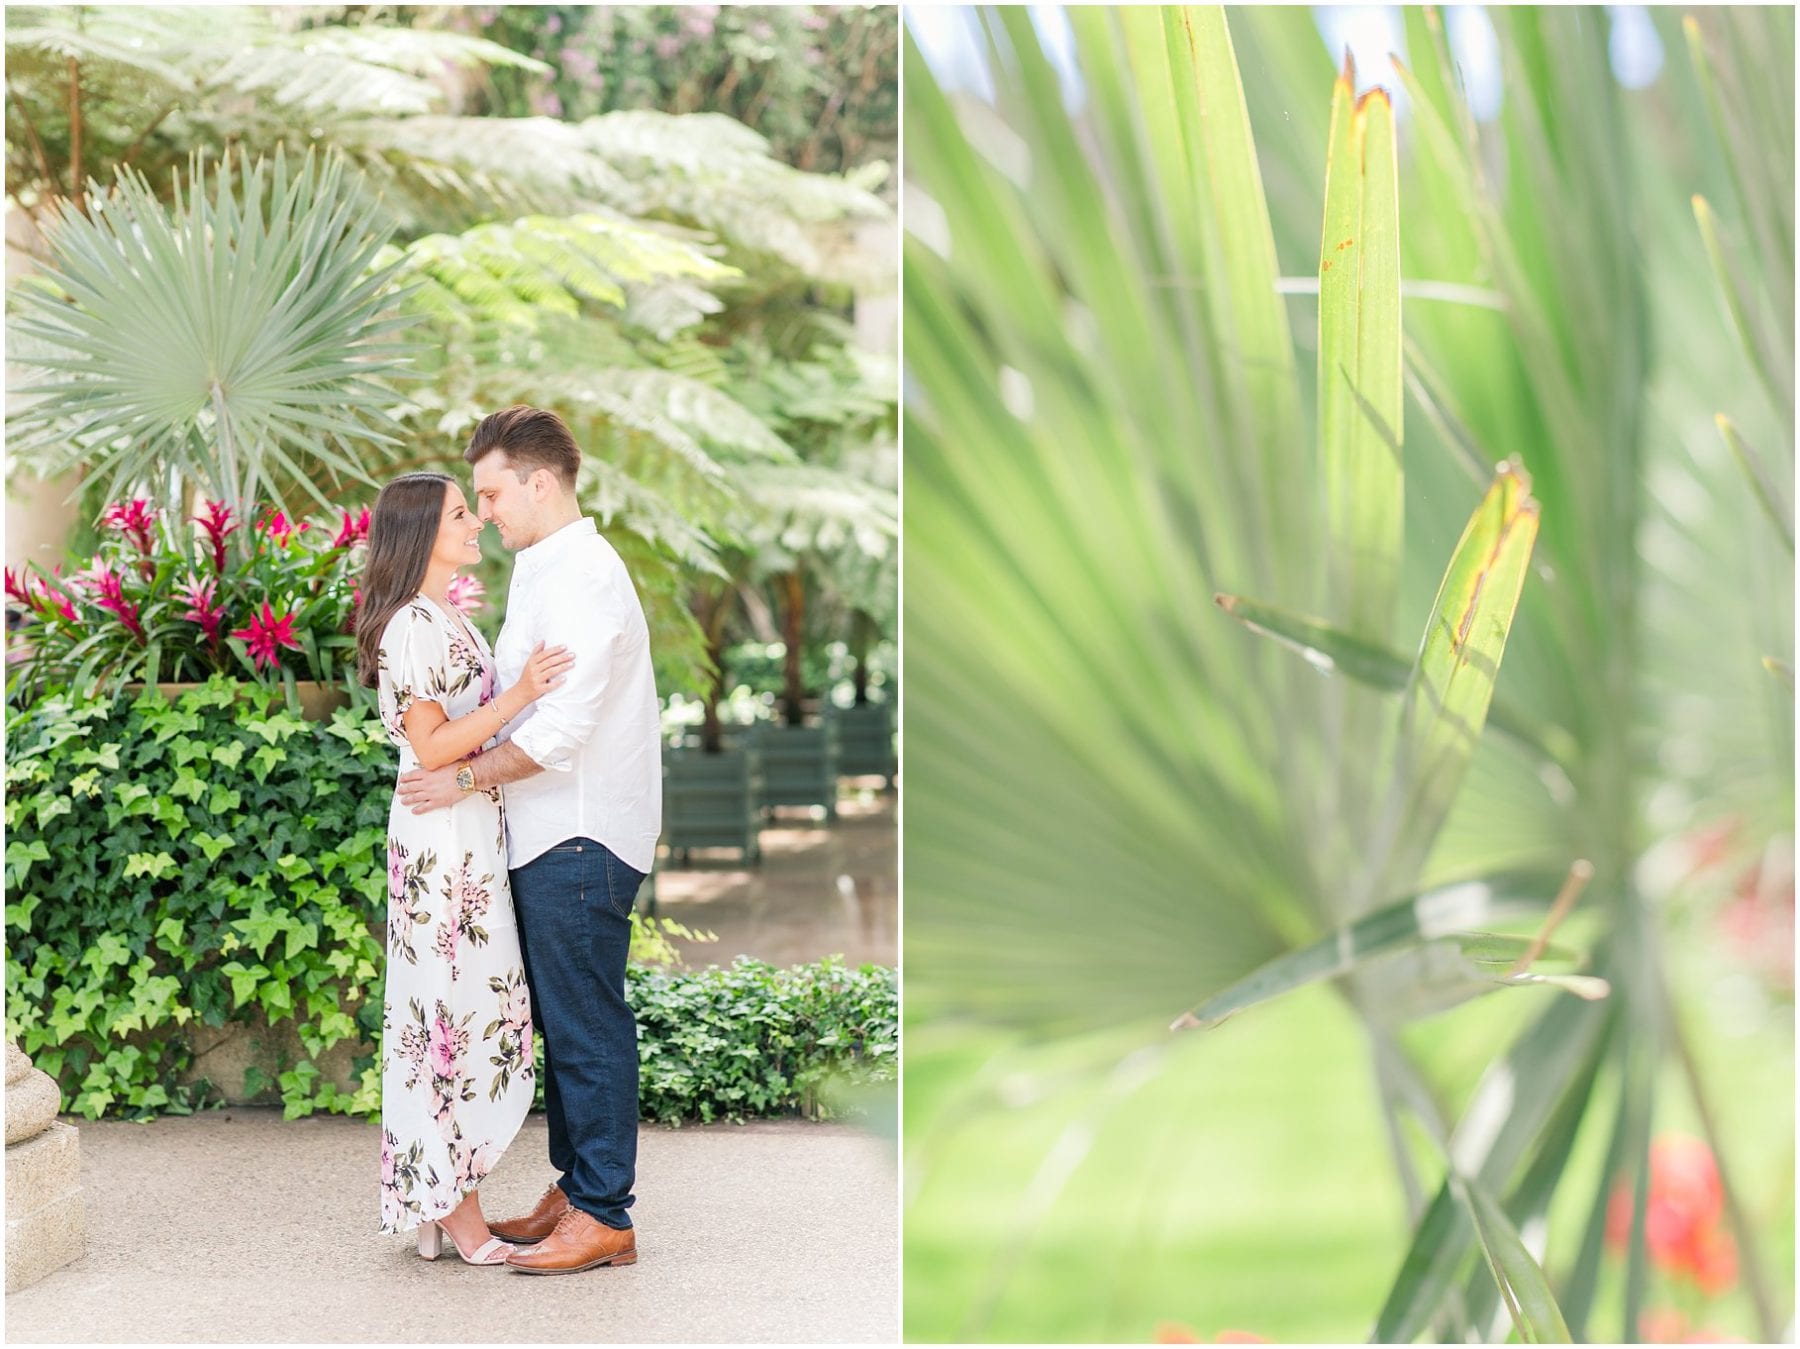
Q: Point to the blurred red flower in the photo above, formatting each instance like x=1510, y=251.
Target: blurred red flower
x=1682, y=1229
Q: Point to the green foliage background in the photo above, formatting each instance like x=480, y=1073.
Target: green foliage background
x=216, y=861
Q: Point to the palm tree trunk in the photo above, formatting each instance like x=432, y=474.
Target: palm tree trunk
x=793, y=626
x=714, y=612
x=76, y=193
x=861, y=635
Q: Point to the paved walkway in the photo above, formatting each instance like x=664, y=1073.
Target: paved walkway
x=236, y=1226
x=819, y=891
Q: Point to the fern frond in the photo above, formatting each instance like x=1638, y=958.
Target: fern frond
x=813, y=508
x=523, y=273
x=718, y=174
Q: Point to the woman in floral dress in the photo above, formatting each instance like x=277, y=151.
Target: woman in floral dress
x=456, y=1058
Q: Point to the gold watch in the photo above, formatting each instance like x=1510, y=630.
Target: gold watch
x=465, y=777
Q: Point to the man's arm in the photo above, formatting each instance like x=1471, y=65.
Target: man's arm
x=433, y=789
x=504, y=763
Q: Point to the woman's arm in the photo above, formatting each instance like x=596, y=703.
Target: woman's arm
x=438, y=739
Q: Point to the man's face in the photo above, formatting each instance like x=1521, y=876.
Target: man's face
x=512, y=505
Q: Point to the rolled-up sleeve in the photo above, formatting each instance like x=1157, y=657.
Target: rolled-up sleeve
x=589, y=624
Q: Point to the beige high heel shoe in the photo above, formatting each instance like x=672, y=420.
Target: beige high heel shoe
x=493, y=1251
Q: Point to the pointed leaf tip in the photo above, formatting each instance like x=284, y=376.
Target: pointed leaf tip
x=1347, y=74
x=1376, y=94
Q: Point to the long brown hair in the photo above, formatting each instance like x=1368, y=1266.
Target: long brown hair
x=402, y=529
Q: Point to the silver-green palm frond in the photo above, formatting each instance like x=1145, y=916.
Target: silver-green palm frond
x=241, y=342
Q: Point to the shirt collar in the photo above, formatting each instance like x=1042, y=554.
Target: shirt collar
x=546, y=550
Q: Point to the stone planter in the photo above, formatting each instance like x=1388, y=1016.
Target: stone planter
x=45, y=1216
x=866, y=741
x=712, y=801
x=222, y=1054
x=317, y=701
x=800, y=766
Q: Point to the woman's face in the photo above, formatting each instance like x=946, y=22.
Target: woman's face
x=459, y=533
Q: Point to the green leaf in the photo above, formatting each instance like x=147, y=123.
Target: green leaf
x=155, y=865
x=300, y=937
x=1330, y=651
x=1440, y=915
x=212, y=845
x=264, y=761
x=1758, y=478
x=1515, y=1099
x=1360, y=380
x=20, y=854
x=1523, y=1287
x=1446, y=701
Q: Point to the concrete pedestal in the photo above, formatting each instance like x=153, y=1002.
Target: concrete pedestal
x=45, y=1222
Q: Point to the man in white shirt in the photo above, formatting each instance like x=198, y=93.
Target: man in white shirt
x=582, y=769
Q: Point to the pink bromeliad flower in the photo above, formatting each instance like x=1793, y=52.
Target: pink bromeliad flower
x=277, y=526
x=37, y=595
x=465, y=593
x=203, y=606
x=266, y=633
x=108, y=593
x=216, y=523
x=135, y=519
x=353, y=531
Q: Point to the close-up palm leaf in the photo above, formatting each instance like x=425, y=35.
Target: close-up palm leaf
x=1331, y=626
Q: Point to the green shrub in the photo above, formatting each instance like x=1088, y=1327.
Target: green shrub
x=195, y=863
x=757, y=1040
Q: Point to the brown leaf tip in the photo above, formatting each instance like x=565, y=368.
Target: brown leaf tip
x=1186, y=1021
x=1228, y=603
x=1373, y=96
x=1347, y=76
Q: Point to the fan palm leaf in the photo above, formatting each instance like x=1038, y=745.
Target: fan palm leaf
x=239, y=343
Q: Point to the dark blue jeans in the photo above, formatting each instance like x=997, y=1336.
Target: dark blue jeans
x=574, y=906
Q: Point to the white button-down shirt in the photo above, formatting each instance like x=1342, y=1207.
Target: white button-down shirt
x=597, y=734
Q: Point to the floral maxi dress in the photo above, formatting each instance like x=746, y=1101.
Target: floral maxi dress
x=456, y=1052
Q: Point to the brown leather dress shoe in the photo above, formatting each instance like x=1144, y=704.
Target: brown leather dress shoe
x=537, y=1224
x=579, y=1242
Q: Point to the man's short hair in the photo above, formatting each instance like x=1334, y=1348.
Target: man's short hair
x=531, y=438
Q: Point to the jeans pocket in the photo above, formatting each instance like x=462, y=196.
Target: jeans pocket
x=622, y=883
